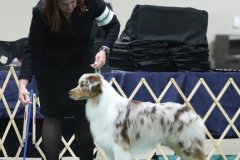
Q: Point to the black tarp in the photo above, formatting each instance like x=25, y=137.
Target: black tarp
x=158, y=38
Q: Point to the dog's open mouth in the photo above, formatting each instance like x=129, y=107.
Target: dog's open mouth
x=77, y=98
x=74, y=98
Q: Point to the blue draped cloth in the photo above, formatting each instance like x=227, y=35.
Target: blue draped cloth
x=201, y=101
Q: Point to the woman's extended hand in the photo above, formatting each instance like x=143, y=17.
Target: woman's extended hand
x=100, y=60
x=23, y=94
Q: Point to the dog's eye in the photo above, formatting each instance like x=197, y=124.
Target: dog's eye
x=82, y=85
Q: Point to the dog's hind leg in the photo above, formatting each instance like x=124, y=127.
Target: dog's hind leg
x=121, y=154
x=198, y=155
x=194, y=152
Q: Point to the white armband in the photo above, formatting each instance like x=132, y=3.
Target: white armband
x=105, y=17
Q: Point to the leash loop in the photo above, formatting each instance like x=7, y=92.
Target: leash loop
x=98, y=70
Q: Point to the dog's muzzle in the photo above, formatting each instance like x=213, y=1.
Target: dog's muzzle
x=75, y=96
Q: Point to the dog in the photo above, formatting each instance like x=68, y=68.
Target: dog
x=123, y=127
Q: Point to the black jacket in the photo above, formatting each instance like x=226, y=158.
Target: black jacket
x=73, y=41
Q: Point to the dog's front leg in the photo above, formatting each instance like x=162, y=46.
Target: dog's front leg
x=121, y=154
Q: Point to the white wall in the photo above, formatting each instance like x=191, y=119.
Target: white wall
x=15, y=15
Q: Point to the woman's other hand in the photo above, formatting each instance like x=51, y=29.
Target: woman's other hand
x=23, y=94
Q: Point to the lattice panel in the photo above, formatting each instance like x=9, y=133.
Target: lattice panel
x=187, y=100
x=216, y=104
x=11, y=114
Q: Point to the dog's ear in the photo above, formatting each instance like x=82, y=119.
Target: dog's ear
x=95, y=83
x=94, y=78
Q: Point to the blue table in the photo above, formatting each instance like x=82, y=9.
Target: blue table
x=201, y=101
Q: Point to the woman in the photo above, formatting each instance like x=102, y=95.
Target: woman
x=59, y=50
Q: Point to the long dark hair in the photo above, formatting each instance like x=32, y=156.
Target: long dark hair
x=52, y=15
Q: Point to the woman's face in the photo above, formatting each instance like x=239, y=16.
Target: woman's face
x=67, y=6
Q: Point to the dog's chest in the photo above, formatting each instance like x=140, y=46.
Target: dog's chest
x=101, y=122
x=104, y=139
x=102, y=131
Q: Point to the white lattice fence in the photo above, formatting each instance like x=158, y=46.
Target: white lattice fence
x=11, y=114
x=214, y=146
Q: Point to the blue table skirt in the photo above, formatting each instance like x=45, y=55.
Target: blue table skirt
x=157, y=81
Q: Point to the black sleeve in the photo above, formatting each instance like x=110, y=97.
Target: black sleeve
x=112, y=31
x=34, y=45
x=105, y=18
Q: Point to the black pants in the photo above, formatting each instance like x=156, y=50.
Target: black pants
x=52, y=132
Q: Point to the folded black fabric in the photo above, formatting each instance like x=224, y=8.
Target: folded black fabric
x=158, y=38
x=121, y=45
x=12, y=49
x=117, y=63
x=116, y=51
x=182, y=25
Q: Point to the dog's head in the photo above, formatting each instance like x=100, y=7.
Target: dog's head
x=89, y=86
